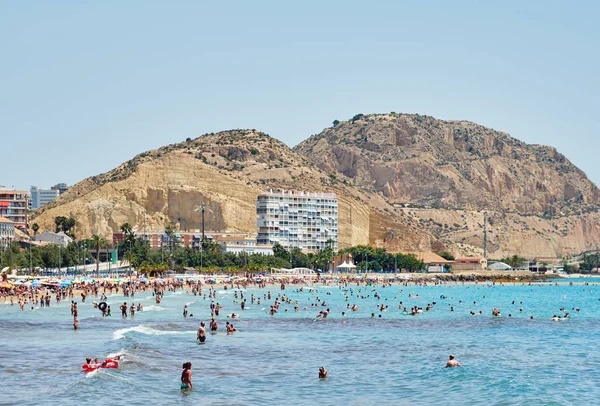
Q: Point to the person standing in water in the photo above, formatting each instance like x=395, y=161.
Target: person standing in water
x=186, y=377
x=201, y=333
x=214, y=326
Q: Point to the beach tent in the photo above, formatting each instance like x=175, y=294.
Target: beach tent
x=346, y=266
x=499, y=266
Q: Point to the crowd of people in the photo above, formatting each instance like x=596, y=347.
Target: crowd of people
x=353, y=291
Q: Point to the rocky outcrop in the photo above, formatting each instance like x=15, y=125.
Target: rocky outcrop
x=404, y=182
x=226, y=171
x=446, y=175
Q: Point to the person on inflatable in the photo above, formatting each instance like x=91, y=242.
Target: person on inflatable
x=111, y=363
x=88, y=366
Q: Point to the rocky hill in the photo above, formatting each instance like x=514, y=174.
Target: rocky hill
x=406, y=182
x=448, y=175
x=226, y=171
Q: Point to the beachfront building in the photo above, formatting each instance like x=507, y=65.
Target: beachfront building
x=54, y=238
x=545, y=264
x=158, y=239
x=432, y=261
x=41, y=197
x=308, y=221
x=7, y=233
x=13, y=206
x=469, y=264
x=231, y=241
x=242, y=243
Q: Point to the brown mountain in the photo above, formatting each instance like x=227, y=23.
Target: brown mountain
x=446, y=175
x=406, y=182
x=226, y=171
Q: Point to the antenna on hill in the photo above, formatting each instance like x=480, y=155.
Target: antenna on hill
x=202, y=208
x=484, y=236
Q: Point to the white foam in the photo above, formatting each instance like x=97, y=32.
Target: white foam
x=142, y=329
x=91, y=374
x=121, y=353
x=154, y=308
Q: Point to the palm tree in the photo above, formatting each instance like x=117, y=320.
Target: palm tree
x=98, y=243
x=35, y=227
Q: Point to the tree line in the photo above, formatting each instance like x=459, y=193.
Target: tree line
x=207, y=256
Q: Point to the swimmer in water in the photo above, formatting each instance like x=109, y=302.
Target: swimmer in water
x=322, y=373
x=186, y=377
x=452, y=362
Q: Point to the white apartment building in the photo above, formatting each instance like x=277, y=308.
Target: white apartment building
x=308, y=221
x=41, y=197
x=7, y=232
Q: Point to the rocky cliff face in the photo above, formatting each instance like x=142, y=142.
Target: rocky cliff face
x=226, y=171
x=445, y=175
x=405, y=182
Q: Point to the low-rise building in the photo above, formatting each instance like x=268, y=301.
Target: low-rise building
x=545, y=264
x=470, y=264
x=432, y=261
x=7, y=232
x=242, y=243
x=54, y=238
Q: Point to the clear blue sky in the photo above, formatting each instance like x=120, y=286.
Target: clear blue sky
x=84, y=86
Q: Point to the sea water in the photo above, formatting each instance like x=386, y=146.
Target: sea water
x=394, y=359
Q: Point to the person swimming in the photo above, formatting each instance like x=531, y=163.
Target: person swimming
x=322, y=373
x=452, y=362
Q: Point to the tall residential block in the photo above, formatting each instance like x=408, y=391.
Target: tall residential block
x=13, y=206
x=308, y=221
x=41, y=197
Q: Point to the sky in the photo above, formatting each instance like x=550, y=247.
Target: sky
x=85, y=86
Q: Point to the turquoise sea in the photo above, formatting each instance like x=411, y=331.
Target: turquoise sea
x=397, y=359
